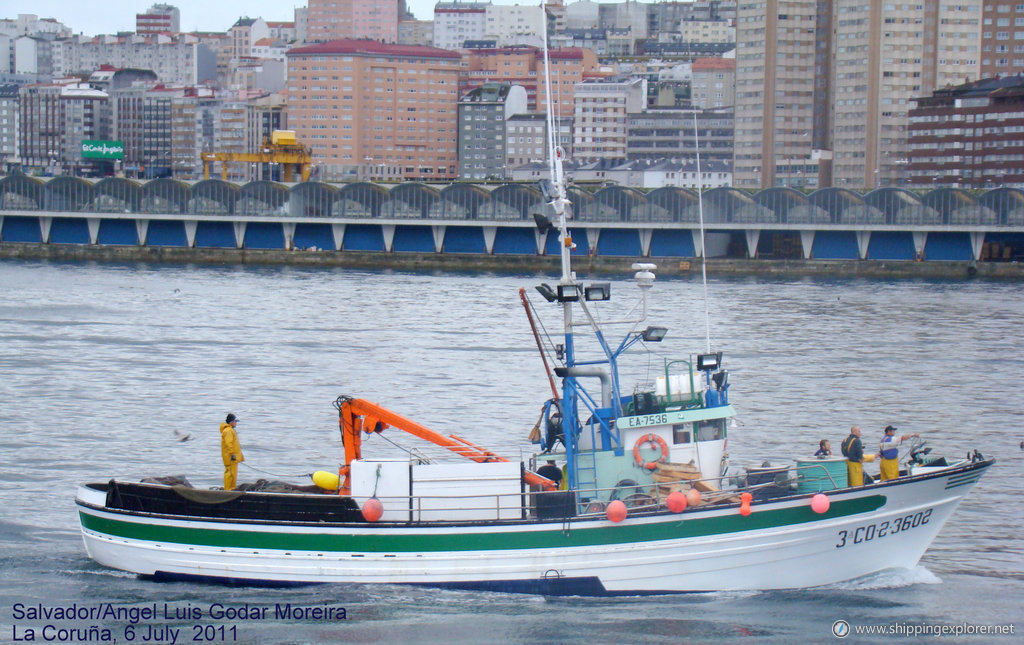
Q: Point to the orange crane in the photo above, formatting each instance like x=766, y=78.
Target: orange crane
x=356, y=416
x=282, y=147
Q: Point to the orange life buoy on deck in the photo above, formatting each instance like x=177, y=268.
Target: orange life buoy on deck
x=656, y=442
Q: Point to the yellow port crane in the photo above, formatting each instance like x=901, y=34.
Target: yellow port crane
x=282, y=147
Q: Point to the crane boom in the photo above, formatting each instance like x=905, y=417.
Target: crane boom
x=356, y=416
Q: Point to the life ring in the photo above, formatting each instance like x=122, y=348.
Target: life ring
x=658, y=443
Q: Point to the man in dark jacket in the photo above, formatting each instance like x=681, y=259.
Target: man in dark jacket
x=853, y=450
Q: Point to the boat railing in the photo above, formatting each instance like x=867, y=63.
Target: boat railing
x=593, y=502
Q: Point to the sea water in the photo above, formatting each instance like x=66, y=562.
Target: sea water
x=127, y=370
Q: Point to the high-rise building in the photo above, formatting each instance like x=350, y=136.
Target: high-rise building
x=1002, y=38
x=158, y=19
x=600, y=116
x=336, y=19
x=363, y=104
x=9, y=127
x=885, y=55
x=54, y=120
x=775, y=74
x=483, y=115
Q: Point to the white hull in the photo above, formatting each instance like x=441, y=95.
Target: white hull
x=780, y=545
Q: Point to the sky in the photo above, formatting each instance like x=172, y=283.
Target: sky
x=196, y=15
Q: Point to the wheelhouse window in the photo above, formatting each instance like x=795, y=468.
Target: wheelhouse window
x=681, y=433
x=710, y=430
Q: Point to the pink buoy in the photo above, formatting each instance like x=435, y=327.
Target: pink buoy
x=676, y=501
x=616, y=511
x=745, y=499
x=820, y=503
x=373, y=510
x=693, y=497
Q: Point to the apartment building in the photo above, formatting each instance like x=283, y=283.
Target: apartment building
x=679, y=134
x=483, y=116
x=713, y=83
x=968, y=136
x=600, y=116
x=524, y=66
x=9, y=127
x=329, y=20
x=179, y=60
x=360, y=104
x=141, y=120
x=910, y=50
x=158, y=19
x=775, y=93
x=1002, y=38
x=54, y=120
x=457, y=22
x=515, y=24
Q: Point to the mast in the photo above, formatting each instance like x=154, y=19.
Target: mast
x=559, y=204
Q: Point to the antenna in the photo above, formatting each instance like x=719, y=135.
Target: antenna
x=703, y=243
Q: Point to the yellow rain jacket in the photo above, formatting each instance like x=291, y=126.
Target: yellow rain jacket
x=229, y=445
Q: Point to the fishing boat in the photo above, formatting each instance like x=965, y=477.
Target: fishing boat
x=628, y=490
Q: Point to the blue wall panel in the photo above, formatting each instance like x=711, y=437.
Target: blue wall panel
x=66, y=230
x=518, y=241
x=118, y=231
x=835, y=245
x=264, y=235
x=166, y=233
x=21, y=229
x=619, y=242
x=363, y=237
x=464, y=239
x=319, y=235
x=888, y=245
x=215, y=234
x=672, y=243
x=413, y=239
x=579, y=238
x=948, y=246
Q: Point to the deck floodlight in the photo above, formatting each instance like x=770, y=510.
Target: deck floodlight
x=707, y=362
x=653, y=334
x=568, y=293
x=546, y=291
x=598, y=291
x=543, y=223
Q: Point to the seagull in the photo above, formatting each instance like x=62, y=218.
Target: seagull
x=181, y=436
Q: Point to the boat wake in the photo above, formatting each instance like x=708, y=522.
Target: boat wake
x=889, y=579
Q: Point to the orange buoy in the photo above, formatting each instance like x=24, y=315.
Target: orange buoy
x=820, y=503
x=693, y=497
x=616, y=511
x=676, y=501
x=373, y=510
x=745, y=499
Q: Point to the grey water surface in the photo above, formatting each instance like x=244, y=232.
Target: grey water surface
x=104, y=368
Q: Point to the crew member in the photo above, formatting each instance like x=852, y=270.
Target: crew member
x=824, y=448
x=853, y=450
x=230, y=451
x=889, y=450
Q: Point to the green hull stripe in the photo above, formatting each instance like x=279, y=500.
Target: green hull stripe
x=400, y=540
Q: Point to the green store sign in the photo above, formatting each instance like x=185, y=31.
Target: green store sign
x=102, y=149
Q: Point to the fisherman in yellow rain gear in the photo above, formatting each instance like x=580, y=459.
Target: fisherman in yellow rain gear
x=230, y=451
x=853, y=450
x=889, y=449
